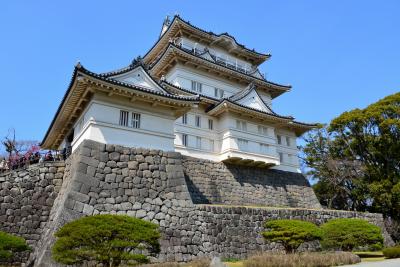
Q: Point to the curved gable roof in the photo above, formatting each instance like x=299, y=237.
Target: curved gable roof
x=178, y=23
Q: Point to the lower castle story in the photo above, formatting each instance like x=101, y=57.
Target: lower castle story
x=203, y=208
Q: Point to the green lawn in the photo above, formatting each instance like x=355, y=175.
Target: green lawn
x=366, y=256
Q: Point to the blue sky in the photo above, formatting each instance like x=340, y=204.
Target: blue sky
x=337, y=55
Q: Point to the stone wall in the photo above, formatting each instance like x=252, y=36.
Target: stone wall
x=219, y=183
x=26, y=198
x=151, y=184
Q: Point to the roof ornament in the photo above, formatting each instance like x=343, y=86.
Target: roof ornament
x=162, y=78
x=137, y=61
x=78, y=64
x=165, y=25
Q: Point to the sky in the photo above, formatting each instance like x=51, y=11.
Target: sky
x=337, y=55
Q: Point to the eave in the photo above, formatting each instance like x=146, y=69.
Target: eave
x=286, y=122
x=182, y=91
x=180, y=27
x=174, y=54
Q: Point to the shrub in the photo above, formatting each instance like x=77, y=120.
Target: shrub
x=106, y=239
x=307, y=259
x=9, y=244
x=393, y=252
x=291, y=233
x=347, y=234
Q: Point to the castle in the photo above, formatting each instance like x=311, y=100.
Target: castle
x=184, y=137
x=194, y=92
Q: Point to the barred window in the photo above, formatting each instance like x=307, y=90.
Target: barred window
x=123, y=118
x=197, y=87
x=198, y=121
x=210, y=124
x=219, y=93
x=198, y=142
x=262, y=130
x=288, y=141
x=264, y=148
x=279, y=138
x=135, y=120
x=184, y=139
x=241, y=125
x=242, y=144
x=212, y=147
x=184, y=119
x=280, y=156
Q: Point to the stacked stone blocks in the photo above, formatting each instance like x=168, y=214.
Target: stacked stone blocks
x=151, y=184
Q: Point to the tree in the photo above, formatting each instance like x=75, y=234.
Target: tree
x=106, y=239
x=356, y=159
x=338, y=178
x=291, y=233
x=372, y=136
x=347, y=234
x=9, y=244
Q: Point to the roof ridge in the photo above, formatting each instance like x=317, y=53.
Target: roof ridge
x=131, y=86
x=138, y=61
x=218, y=35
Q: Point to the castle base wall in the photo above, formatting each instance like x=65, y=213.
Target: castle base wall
x=151, y=184
x=219, y=183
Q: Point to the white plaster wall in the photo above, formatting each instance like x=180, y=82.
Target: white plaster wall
x=225, y=135
x=183, y=76
x=102, y=125
x=265, y=97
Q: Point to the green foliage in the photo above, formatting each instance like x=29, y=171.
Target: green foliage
x=363, y=146
x=291, y=233
x=10, y=244
x=393, y=252
x=347, y=234
x=106, y=239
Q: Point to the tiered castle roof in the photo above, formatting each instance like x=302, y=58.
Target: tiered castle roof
x=155, y=89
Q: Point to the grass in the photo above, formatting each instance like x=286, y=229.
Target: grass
x=373, y=259
x=308, y=259
x=234, y=264
x=370, y=256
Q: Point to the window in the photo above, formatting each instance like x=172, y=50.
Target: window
x=262, y=130
x=184, y=119
x=198, y=142
x=288, y=141
x=219, y=93
x=279, y=138
x=123, y=117
x=135, y=120
x=241, y=125
x=210, y=124
x=280, y=156
x=196, y=87
x=212, y=148
x=198, y=121
x=184, y=139
x=264, y=148
x=242, y=144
